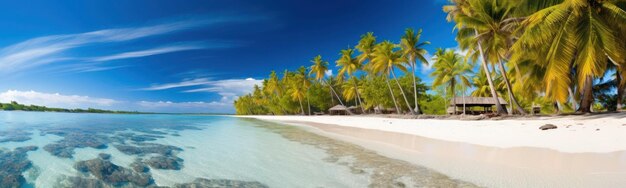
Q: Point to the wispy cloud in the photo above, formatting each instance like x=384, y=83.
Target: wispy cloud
x=185, y=83
x=166, y=49
x=55, y=99
x=228, y=89
x=49, y=49
x=169, y=106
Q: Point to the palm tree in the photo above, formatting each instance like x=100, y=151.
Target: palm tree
x=351, y=90
x=349, y=65
x=306, y=84
x=450, y=69
x=461, y=12
x=414, y=50
x=366, y=47
x=577, y=35
x=297, y=91
x=490, y=26
x=481, y=85
x=385, y=60
x=319, y=68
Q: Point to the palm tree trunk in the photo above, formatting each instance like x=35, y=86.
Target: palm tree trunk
x=487, y=72
x=339, y=99
x=308, y=103
x=452, y=84
x=413, y=66
x=511, y=95
x=620, y=89
x=392, y=96
x=402, y=91
x=358, y=97
x=587, y=98
x=301, y=107
x=573, y=98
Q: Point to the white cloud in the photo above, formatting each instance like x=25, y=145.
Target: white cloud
x=185, y=83
x=328, y=72
x=149, y=52
x=48, y=49
x=55, y=99
x=228, y=89
x=187, y=107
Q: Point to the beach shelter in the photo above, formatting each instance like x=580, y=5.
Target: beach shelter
x=468, y=102
x=338, y=110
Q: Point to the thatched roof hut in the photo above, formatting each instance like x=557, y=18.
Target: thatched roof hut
x=486, y=102
x=476, y=101
x=338, y=110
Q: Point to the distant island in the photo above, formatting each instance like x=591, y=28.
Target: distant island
x=14, y=106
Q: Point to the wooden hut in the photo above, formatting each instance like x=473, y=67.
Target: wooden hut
x=338, y=110
x=382, y=110
x=470, y=103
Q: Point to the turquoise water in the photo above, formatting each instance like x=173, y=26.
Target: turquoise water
x=42, y=149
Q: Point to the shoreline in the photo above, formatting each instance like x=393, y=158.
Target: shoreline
x=518, y=166
x=575, y=134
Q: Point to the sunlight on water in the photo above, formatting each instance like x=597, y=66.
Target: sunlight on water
x=175, y=150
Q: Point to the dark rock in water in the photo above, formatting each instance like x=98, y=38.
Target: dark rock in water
x=11, y=180
x=65, y=148
x=122, y=137
x=14, y=136
x=139, y=166
x=13, y=164
x=104, y=156
x=547, y=127
x=113, y=174
x=81, y=182
x=220, y=183
x=148, y=148
x=163, y=162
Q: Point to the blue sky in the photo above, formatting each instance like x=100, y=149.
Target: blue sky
x=184, y=56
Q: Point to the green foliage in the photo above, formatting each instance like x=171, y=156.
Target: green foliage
x=21, y=107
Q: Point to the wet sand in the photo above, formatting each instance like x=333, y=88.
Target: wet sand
x=487, y=166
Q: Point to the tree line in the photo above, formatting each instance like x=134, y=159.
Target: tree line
x=562, y=55
x=12, y=106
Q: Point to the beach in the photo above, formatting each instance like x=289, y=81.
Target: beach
x=584, y=151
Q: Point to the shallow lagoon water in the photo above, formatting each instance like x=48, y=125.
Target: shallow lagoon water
x=181, y=150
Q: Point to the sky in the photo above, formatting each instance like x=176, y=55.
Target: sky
x=186, y=56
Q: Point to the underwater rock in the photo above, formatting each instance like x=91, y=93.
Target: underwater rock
x=139, y=166
x=11, y=180
x=165, y=162
x=220, y=183
x=72, y=181
x=13, y=164
x=104, y=156
x=113, y=174
x=65, y=147
x=14, y=136
x=148, y=148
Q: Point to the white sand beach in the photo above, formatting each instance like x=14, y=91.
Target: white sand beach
x=584, y=151
x=575, y=134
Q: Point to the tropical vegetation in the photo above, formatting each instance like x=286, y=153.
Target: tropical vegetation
x=560, y=55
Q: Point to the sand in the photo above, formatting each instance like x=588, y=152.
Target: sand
x=575, y=134
x=506, y=153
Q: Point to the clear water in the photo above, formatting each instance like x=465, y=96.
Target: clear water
x=180, y=150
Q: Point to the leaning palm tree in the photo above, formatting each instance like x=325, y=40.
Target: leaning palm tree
x=349, y=66
x=489, y=26
x=413, y=50
x=306, y=84
x=319, y=68
x=574, y=35
x=461, y=12
x=450, y=68
x=385, y=60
